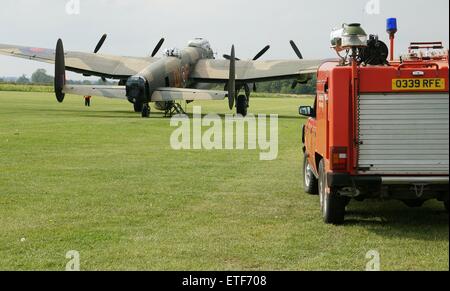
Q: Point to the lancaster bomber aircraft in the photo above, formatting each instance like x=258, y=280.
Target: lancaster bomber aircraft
x=179, y=75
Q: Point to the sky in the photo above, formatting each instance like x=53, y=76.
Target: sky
x=135, y=26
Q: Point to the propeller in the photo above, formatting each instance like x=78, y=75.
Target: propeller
x=158, y=47
x=296, y=50
x=228, y=57
x=258, y=55
x=60, y=71
x=100, y=43
x=300, y=56
x=262, y=52
x=232, y=79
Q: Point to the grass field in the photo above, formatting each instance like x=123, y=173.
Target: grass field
x=106, y=183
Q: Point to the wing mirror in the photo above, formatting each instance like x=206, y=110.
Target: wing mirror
x=307, y=111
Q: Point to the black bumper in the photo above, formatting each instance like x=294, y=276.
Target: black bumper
x=336, y=180
x=340, y=180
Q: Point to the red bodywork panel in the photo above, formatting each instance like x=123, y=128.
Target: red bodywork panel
x=334, y=125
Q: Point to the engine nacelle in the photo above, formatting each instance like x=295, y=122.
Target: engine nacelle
x=137, y=89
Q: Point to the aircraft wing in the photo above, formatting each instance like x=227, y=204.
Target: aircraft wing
x=108, y=66
x=115, y=92
x=217, y=71
x=161, y=94
x=177, y=94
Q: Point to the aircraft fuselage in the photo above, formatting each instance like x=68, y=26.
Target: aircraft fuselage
x=173, y=70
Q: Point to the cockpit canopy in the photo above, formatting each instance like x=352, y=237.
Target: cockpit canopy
x=200, y=43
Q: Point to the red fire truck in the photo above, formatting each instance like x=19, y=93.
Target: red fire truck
x=379, y=127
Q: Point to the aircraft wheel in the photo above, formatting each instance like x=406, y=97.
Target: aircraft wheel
x=242, y=105
x=145, y=111
x=310, y=182
x=414, y=203
x=331, y=204
x=138, y=107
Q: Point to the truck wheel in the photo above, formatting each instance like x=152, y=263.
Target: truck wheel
x=331, y=204
x=414, y=203
x=310, y=182
x=242, y=105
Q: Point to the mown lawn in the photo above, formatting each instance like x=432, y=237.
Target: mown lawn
x=106, y=183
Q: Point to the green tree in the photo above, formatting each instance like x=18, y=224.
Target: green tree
x=41, y=77
x=23, y=80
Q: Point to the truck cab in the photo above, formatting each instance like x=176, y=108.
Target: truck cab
x=379, y=131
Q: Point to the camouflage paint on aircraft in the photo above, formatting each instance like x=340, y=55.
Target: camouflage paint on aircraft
x=149, y=79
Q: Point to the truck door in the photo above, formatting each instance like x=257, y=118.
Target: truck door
x=311, y=133
x=321, y=140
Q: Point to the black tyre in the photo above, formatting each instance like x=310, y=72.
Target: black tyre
x=242, y=105
x=310, y=182
x=331, y=204
x=446, y=205
x=416, y=203
x=138, y=107
x=145, y=111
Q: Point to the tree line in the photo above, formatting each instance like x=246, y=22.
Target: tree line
x=41, y=77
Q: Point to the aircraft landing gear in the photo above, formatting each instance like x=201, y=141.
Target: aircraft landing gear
x=138, y=107
x=146, y=110
x=242, y=105
x=174, y=108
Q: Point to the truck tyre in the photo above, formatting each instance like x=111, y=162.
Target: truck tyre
x=331, y=204
x=242, y=105
x=416, y=203
x=310, y=182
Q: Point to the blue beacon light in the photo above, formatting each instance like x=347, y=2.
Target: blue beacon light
x=392, y=28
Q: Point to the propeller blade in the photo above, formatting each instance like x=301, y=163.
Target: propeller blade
x=60, y=71
x=296, y=50
x=261, y=53
x=158, y=47
x=228, y=57
x=247, y=91
x=100, y=43
x=232, y=79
